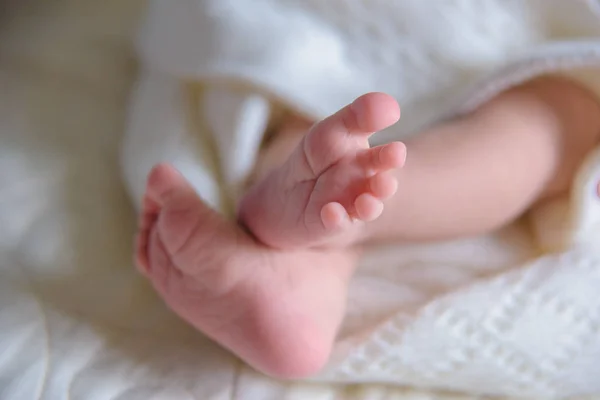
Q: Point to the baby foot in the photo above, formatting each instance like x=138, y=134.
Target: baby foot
x=332, y=182
x=278, y=311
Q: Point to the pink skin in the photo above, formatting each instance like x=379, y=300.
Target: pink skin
x=332, y=183
x=279, y=311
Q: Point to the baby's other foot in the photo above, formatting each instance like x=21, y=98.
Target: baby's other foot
x=277, y=311
x=332, y=183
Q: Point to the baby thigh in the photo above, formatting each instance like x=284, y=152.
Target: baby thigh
x=479, y=172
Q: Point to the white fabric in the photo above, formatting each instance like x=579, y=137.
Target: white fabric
x=317, y=55
x=76, y=321
x=487, y=315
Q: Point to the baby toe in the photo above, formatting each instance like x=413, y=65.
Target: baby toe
x=373, y=112
x=385, y=157
x=368, y=208
x=383, y=185
x=334, y=216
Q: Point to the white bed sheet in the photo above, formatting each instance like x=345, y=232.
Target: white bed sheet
x=76, y=321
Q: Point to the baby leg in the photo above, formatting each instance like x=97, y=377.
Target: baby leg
x=479, y=172
x=461, y=178
x=475, y=174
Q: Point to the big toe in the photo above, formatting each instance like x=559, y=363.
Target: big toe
x=328, y=141
x=165, y=184
x=162, y=184
x=173, y=210
x=374, y=111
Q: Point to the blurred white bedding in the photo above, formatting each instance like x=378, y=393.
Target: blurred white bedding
x=76, y=321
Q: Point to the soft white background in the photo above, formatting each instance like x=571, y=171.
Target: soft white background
x=76, y=321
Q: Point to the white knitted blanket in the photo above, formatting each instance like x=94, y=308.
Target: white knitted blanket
x=513, y=313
